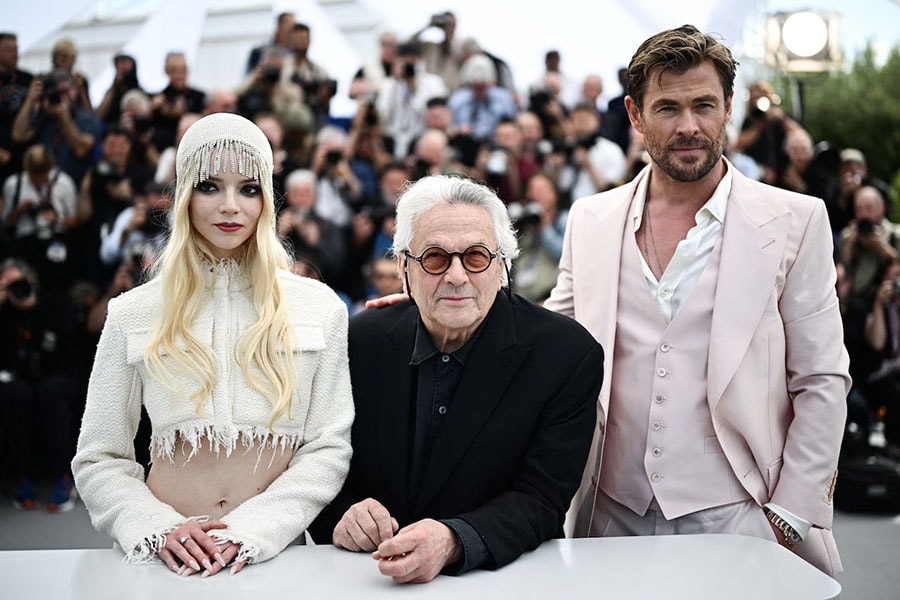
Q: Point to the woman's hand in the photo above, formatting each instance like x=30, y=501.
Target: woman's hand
x=189, y=549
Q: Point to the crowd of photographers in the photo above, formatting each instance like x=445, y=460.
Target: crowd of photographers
x=85, y=203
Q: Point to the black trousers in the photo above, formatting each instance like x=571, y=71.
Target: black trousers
x=37, y=425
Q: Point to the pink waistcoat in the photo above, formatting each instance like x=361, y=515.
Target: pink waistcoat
x=660, y=441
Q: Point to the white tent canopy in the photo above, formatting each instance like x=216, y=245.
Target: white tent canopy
x=217, y=35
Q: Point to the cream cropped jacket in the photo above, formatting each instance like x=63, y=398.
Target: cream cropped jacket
x=316, y=431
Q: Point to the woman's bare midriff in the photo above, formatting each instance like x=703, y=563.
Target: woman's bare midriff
x=214, y=484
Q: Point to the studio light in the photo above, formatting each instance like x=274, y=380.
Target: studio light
x=805, y=34
x=803, y=41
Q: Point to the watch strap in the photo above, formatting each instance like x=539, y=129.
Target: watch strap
x=791, y=536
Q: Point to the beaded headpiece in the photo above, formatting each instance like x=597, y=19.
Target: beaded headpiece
x=222, y=142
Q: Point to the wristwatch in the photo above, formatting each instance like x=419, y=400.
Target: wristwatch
x=791, y=536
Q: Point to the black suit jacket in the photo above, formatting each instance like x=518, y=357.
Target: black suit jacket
x=510, y=455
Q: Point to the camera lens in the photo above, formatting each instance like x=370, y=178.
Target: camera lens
x=371, y=118
x=865, y=226
x=20, y=289
x=271, y=74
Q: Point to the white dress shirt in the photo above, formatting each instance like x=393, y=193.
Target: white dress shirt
x=691, y=254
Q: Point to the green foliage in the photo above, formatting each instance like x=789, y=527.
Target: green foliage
x=858, y=109
x=895, y=198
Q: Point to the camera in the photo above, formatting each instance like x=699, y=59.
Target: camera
x=20, y=289
x=271, y=74
x=528, y=215
x=106, y=171
x=254, y=101
x=763, y=104
x=35, y=208
x=546, y=147
x=333, y=157
x=538, y=100
x=371, y=117
x=51, y=91
x=440, y=19
x=587, y=142
x=865, y=227
x=141, y=124
x=311, y=87
x=379, y=212
x=300, y=214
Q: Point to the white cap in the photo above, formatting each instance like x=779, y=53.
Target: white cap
x=220, y=142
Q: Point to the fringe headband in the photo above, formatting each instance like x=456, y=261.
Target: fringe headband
x=219, y=143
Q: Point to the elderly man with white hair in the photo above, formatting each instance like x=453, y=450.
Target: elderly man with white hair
x=480, y=104
x=474, y=406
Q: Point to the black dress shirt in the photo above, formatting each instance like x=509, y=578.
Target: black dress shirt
x=438, y=377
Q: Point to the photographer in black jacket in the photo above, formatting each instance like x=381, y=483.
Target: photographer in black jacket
x=38, y=386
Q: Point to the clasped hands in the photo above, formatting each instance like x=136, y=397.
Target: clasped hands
x=189, y=549
x=416, y=553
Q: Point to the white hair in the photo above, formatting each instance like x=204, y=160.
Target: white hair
x=478, y=68
x=331, y=133
x=137, y=100
x=299, y=176
x=443, y=190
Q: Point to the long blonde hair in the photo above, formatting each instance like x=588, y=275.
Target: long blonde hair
x=268, y=343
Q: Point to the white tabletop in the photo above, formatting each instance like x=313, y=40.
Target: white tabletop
x=694, y=567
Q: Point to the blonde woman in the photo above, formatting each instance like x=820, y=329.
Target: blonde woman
x=241, y=366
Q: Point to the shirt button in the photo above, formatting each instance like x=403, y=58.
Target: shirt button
x=442, y=410
x=655, y=477
x=656, y=425
x=664, y=293
x=665, y=347
x=445, y=358
x=656, y=452
x=661, y=371
x=659, y=399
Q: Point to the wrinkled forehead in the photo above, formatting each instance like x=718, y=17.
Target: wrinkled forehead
x=454, y=227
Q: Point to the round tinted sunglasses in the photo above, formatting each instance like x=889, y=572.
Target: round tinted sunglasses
x=435, y=260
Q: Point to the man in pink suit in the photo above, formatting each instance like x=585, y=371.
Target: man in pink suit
x=726, y=405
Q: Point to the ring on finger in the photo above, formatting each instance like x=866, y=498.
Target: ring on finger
x=184, y=539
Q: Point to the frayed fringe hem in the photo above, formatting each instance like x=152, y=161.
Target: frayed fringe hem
x=146, y=552
x=246, y=554
x=223, y=438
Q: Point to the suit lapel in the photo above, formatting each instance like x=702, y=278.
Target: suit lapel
x=395, y=406
x=753, y=241
x=490, y=367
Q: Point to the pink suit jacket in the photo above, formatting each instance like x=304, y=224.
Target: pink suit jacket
x=777, y=377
